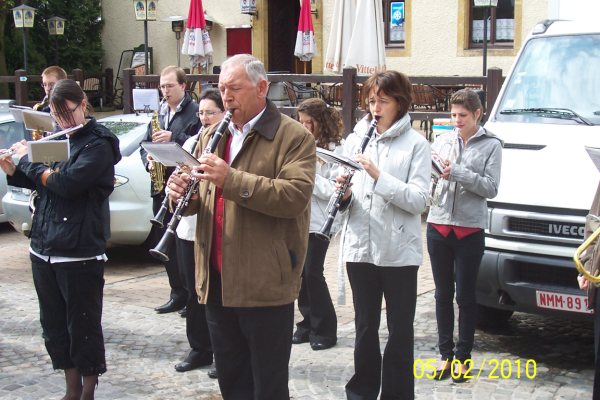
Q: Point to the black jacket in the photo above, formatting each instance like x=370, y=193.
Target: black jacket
x=72, y=217
x=184, y=117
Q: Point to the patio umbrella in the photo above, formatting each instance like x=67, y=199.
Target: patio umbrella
x=339, y=36
x=366, y=51
x=196, y=42
x=306, y=46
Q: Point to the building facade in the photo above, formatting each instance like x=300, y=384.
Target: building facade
x=426, y=37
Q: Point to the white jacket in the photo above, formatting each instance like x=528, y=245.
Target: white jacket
x=186, y=229
x=383, y=220
x=323, y=191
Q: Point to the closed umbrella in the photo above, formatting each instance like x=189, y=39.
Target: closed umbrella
x=306, y=47
x=366, y=51
x=339, y=36
x=196, y=42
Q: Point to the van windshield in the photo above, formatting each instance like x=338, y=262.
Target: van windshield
x=554, y=74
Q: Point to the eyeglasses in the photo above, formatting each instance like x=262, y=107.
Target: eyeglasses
x=167, y=86
x=65, y=114
x=207, y=113
x=48, y=85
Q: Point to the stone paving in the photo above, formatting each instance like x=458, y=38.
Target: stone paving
x=142, y=347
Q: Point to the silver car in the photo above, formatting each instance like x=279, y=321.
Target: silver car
x=130, y=202
x=10, y=133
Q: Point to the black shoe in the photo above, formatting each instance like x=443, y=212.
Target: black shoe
x=300, y=337
x=441, y=374
x=183, y=312
x=316, y=346
x=194, y=360
x=169, y=306
x=212, y=373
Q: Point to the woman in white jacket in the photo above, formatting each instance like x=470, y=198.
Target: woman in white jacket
x=319, y=323
x=381, y=241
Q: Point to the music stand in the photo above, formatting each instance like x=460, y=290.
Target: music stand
x=594, y=153
x=145, y=100
x=170, y=154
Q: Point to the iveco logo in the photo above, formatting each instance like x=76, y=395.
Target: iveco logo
x=566, y=230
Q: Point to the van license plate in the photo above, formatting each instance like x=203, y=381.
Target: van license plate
x=561, y=301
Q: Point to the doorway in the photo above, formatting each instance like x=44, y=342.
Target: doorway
x=283, y=27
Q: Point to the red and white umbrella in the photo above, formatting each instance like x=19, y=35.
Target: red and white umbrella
x=366, y=51
x=196, y=42
x=339, y=36
x=306, y=47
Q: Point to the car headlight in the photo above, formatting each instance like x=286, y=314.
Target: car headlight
x=120, y=180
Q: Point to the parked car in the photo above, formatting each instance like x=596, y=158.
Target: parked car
x=10, y=132
x=130, y=202
x=547, y=112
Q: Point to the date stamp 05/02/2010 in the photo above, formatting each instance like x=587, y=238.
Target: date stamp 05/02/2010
x=490, y=368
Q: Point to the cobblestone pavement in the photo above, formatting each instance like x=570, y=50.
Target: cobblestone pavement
x=142, y=347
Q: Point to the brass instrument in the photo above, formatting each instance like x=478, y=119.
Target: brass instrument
x=157, y=170
x=158, y=219
x=437, y=169
x=336, y=200
x=586, y=252
x=37, y=134
x=161, y=249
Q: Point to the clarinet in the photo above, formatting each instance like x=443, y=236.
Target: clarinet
x=158, y=219
x=336, y=200
x=161, y=249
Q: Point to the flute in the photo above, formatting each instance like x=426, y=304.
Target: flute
x=8, y=153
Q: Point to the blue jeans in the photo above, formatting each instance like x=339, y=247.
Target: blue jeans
x=455, y=262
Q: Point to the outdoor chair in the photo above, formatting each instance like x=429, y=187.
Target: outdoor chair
x=94, y=91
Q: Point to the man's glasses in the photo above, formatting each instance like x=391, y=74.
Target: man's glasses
x=64, y=115
x=48, y=85
x=207, y=113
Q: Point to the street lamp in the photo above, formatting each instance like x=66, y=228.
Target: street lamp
x=177, y=26
x=145, y=10
x=56, y=27
x=485, y=4
x=23, y=16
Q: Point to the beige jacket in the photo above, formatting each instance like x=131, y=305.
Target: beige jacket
x=266, y=214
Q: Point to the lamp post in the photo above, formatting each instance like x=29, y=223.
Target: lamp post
x=56, y=27
x=145, y=10
x=486, y=5
x=177, y=26
x=23, y=16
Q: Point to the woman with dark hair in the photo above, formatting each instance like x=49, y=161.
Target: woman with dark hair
x=68, y=238
x=319, y=324
x=472, y=157
x=381, y=237
x=210, y=112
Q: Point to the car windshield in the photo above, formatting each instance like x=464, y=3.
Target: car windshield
x=557, y=78
x=10, y=133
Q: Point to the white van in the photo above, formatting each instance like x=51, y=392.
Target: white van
x=547, y=111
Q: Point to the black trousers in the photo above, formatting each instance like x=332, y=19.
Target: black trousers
x=453, y=262
x=394, y=374
x=178, y=292
x=252, y=347
x=314, y=302
x=70, y=297
x=196, y=326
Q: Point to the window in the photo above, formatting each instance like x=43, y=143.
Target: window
x=394, y=21
x=500, y=24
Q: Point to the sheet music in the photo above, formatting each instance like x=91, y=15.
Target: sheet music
x=49, y=151
x=170, y=154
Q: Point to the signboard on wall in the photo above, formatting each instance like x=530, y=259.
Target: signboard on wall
x=248, y=7
x=239, y=40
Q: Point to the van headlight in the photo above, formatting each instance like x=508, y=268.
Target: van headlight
x=120, y=181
